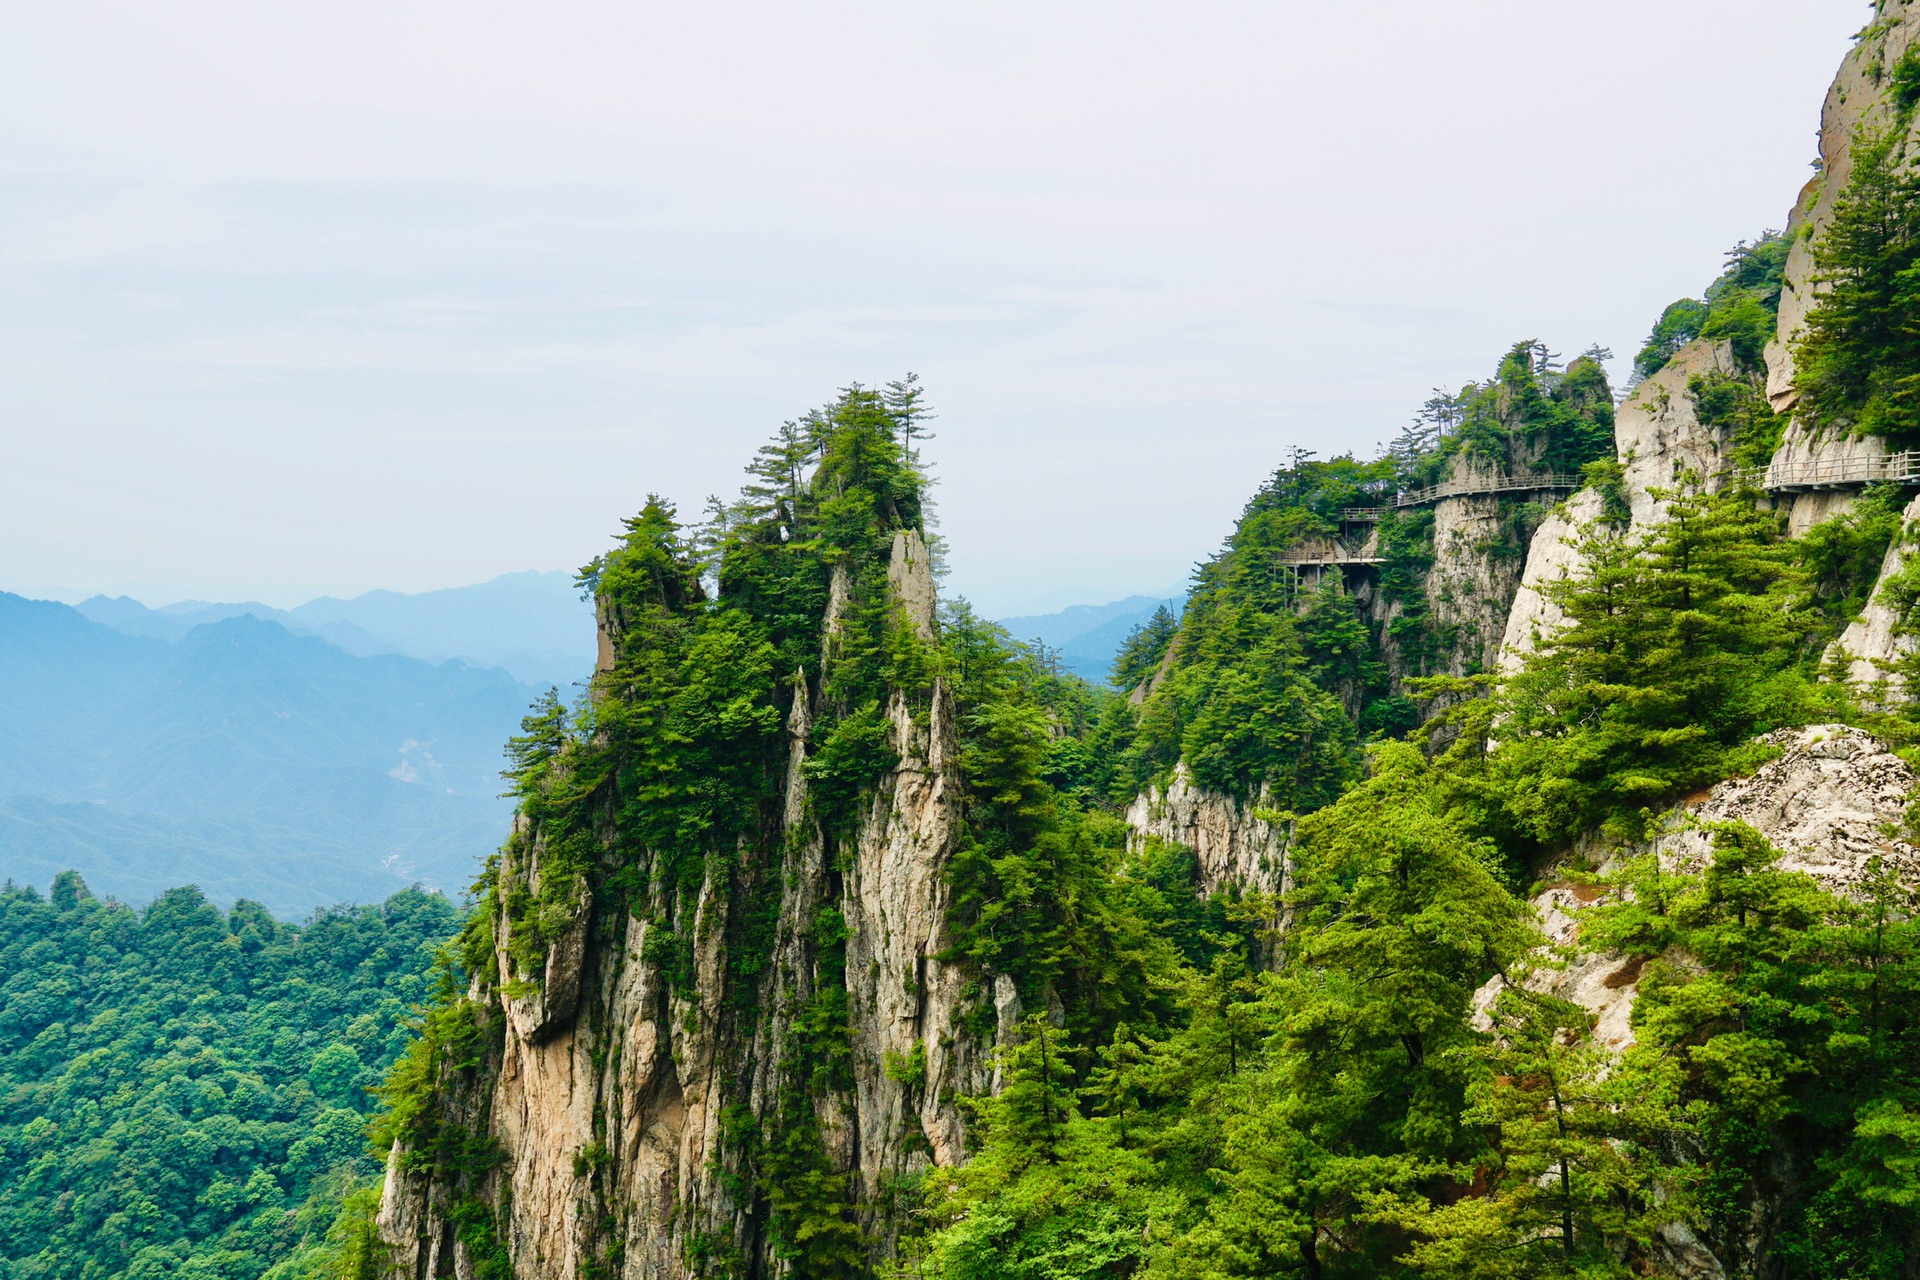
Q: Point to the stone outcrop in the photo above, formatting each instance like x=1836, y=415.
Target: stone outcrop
x=1554, y=555
x=617, y=1095
x=1658, y=437
x=1876, y=640
x=1828, y=802
x=1231, y=844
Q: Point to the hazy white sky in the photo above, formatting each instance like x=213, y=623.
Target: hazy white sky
x=305, y=298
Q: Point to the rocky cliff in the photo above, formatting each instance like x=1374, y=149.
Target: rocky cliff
x=711, y=1021
x=1658, y=440
x=1831, y=802
x=1858, y=104
x=1834, y=803
x=1233, y=845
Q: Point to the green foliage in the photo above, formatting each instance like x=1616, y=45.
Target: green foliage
x=1791, y=1033
x=1143, y=648
x=338, y=1239
x=1035, y=888
x=1279, y=673
x=1261, y=1127
x=1530, y=416
x=1241, y=705
x=182, y=1090
x=1678, y=325
x=1576, y=1178
x=1193, y=1090
x=1857, y=362
x=1905, y=87
x=1737, y=404
x=1682, y=643
x=1841, y=557
x=1741, y=307
x=810, y=1208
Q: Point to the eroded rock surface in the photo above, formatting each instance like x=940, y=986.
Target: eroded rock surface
x=1875, y=641
x=618, y=1093
x=1231, y=844
x=1830, y=803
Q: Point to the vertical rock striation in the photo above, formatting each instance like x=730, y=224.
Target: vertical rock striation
x=1231, y=843
x=1658, y=439
x=712, y=1045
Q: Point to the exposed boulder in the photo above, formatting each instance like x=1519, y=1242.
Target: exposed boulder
x=1831, y=802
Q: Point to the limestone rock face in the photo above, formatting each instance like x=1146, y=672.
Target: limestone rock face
x=1827, y=802
x=1232, y=846
x=1658, y=436
x=1856, y=101
x=1873, y=641
x=904, y=998
x=1472, y=584
x=617, y=1094
x=1554, y=554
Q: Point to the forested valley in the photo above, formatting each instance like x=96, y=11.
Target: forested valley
x=186, y=1091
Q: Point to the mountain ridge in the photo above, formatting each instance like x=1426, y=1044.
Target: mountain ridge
x=531, y=623
x=253, y=761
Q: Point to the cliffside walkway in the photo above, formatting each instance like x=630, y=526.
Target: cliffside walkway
x=1837, y=473
x=1302, y=559
x=1551, y=482
x=1834, y=473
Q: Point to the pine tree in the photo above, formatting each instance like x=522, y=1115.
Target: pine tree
x=1574, y=1178
x=1680, y=645
x=1857, y=363
x=906, y=401
x=1140, y=653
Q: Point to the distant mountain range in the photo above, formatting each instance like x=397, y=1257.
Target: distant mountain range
x=533, y=625
x=239, y=756
x=333, y=752
x=1089, y=635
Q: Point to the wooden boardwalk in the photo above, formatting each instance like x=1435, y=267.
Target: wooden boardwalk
x=1302, y=559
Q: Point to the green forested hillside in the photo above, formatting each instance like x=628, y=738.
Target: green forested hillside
x=1346, y=1075
x=1338, y=1113
x=1275, y=679
x=1207, y=1093
x=184, y=1092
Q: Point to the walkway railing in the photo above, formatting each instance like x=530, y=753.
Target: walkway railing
x=1553, y=481
x=1299, y=558
x=1837, y=473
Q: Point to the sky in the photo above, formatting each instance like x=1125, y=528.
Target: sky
x=302, y=299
